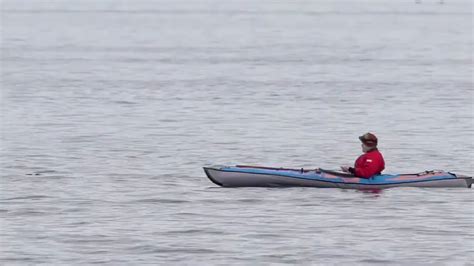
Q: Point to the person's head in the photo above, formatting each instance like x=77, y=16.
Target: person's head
x=369, y=142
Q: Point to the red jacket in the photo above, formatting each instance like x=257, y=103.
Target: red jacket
x=369, y=164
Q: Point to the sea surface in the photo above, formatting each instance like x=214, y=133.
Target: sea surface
x=110, y=109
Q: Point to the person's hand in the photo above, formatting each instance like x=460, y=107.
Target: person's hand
x=345, y=169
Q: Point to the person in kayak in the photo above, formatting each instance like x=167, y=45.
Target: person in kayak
x=371, y=162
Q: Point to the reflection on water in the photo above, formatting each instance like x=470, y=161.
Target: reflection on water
x=372, y=191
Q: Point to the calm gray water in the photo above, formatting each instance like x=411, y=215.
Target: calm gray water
x=109, y=109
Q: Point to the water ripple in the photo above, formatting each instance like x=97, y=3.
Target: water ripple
x=110, y=109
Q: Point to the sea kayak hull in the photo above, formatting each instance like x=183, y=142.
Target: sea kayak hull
x=267, y=177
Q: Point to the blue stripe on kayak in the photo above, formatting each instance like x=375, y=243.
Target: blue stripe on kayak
x=377, y=180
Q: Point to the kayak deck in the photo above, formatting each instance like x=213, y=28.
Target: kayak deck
x=256, y=176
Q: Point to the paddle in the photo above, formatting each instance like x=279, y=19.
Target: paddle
x=275, y=168
x=317, y=170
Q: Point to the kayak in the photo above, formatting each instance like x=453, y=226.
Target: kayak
x=258, y=176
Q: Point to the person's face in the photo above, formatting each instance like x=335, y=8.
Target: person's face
x=365, y=148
